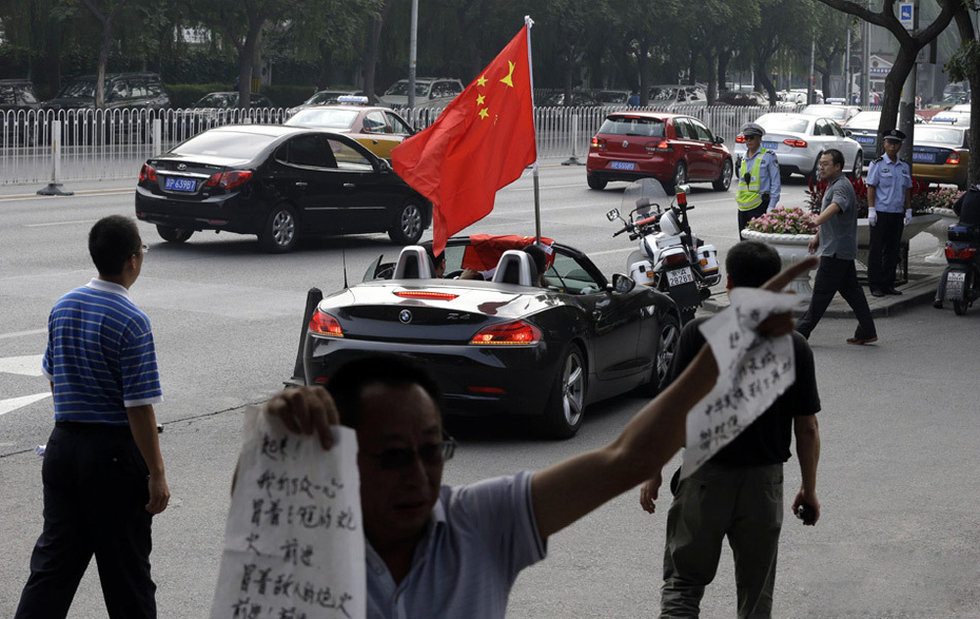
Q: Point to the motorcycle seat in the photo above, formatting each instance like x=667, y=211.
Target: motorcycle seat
x=964, y=232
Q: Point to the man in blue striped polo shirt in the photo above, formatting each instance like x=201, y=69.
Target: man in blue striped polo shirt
x=103, y=473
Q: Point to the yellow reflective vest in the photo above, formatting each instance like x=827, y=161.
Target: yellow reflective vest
x=748, y=196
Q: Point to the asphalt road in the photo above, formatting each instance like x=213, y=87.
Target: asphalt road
x=899, y=535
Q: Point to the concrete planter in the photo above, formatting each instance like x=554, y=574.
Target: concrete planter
x=918, y=224
x=792, y=248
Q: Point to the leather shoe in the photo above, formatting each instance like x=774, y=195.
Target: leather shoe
x=878, y=293
x=893, y=291
x=938, y=304
x=861, y=341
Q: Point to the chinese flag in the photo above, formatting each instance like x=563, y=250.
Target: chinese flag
x=481, y=142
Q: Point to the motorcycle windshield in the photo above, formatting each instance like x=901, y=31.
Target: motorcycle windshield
x=644, y=196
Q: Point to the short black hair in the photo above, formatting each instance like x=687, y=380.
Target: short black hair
x=111, y=241
x=836, y=156
x=751, y=263
x=351, y=378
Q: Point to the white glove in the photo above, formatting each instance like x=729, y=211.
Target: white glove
x=908, y=216
x=872, y=217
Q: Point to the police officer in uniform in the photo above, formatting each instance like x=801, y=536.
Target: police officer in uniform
x=889, y=210
x=758, y=177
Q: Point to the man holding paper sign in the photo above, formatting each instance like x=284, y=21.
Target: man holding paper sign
x=738, y=492
x=440, y=551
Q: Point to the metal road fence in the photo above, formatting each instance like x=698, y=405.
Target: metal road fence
x=113, y=144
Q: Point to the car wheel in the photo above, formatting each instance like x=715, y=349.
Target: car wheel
x=670, y=333
x=858, y=165
x=595, y=183
x=407, y=228
x=281, y=231
x=171, y=234
x=679, y=178
x=725, y=180
x=566, y=405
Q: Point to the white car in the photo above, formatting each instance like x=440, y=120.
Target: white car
x=799, y=140
x=428, y=90
x=839, y=112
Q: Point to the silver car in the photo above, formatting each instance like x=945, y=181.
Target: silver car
x=799, y=140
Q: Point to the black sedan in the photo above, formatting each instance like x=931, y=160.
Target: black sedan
x=278, y=183
x=543, y=348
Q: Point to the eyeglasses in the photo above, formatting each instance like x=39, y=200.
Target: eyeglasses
x=433, y=454
x=751, y=137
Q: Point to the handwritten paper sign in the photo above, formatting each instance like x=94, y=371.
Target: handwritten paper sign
x=294, y=545
x=752, y=372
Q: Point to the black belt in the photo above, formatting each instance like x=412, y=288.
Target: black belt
x=92, y=427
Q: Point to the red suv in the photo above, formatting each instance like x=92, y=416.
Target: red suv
x=672, y=148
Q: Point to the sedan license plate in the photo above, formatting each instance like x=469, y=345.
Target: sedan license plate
x=770, y=145
x=954, y=285
x=864, y=139
x=176, y=183
x=622, y=165
x=923, y=157
x=680, y=276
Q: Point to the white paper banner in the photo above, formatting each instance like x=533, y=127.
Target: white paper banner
x=752, y=372
x=294, y=544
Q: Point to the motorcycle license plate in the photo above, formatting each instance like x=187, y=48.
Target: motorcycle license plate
x=680, y=276
x=954, y=285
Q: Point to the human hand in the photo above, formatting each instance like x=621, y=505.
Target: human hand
x=159, y=493
x=872, y=216
x=306, y=410
x=813, y=245
x=649, y=491
x=908, y=216
x=810, y=499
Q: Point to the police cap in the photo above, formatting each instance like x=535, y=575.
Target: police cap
x=752, y=129
x=895, y=135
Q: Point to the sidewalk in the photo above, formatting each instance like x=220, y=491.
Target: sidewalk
x=919, y=290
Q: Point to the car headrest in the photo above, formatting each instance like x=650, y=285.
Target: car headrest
x=516, y=267
x=413, y=263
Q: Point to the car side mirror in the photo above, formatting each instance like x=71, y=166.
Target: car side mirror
x=622, y=283
x=384, y=166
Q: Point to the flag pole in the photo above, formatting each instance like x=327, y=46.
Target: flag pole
x=534, y=166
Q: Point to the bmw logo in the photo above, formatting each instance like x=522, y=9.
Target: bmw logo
x=405, y=316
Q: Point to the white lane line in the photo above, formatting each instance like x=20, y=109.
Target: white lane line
x=83, y=192
x=61, y=223
x=28, y=365
x=12, y=404
x=4, y=336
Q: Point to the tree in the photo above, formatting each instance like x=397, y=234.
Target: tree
x=830, y=44
x=781, y=23
x=965, y=65
x=714, y=31
x=643, y=31
x=106, y=16
x=909, y=45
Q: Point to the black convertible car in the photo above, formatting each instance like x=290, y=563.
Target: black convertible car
x=278, y=183
x=517, y=344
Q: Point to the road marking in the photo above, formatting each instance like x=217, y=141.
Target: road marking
x=28, y=365
x=61, y=223
x=12, y=404
x=83, y=192
x=4, y=336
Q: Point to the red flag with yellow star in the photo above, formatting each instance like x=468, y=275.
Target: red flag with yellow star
x=481, y=142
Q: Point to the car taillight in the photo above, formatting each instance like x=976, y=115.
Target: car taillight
x=323, y=323
x=598, y=142
x=658, y=147
x=967, y=253
x=740, y=139
x=953, y=159
x=228, y=180
x=148, y=173
x=795, y=143
x=515, y=333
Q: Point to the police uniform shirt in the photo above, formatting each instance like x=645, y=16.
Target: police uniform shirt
x=890, y=180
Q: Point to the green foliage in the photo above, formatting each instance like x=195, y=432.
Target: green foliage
x=965, y=62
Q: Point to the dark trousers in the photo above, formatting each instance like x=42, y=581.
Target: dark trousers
x=835, y=275
x=744, y=217
x=94, y=496
x=744, y=504
x=886, y=239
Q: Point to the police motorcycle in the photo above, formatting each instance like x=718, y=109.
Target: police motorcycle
x=960, y=281
x=670, y=258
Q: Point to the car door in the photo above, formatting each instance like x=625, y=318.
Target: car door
x=378, y=135
x=689, y=147
x=614, y=322
x=357, y=196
